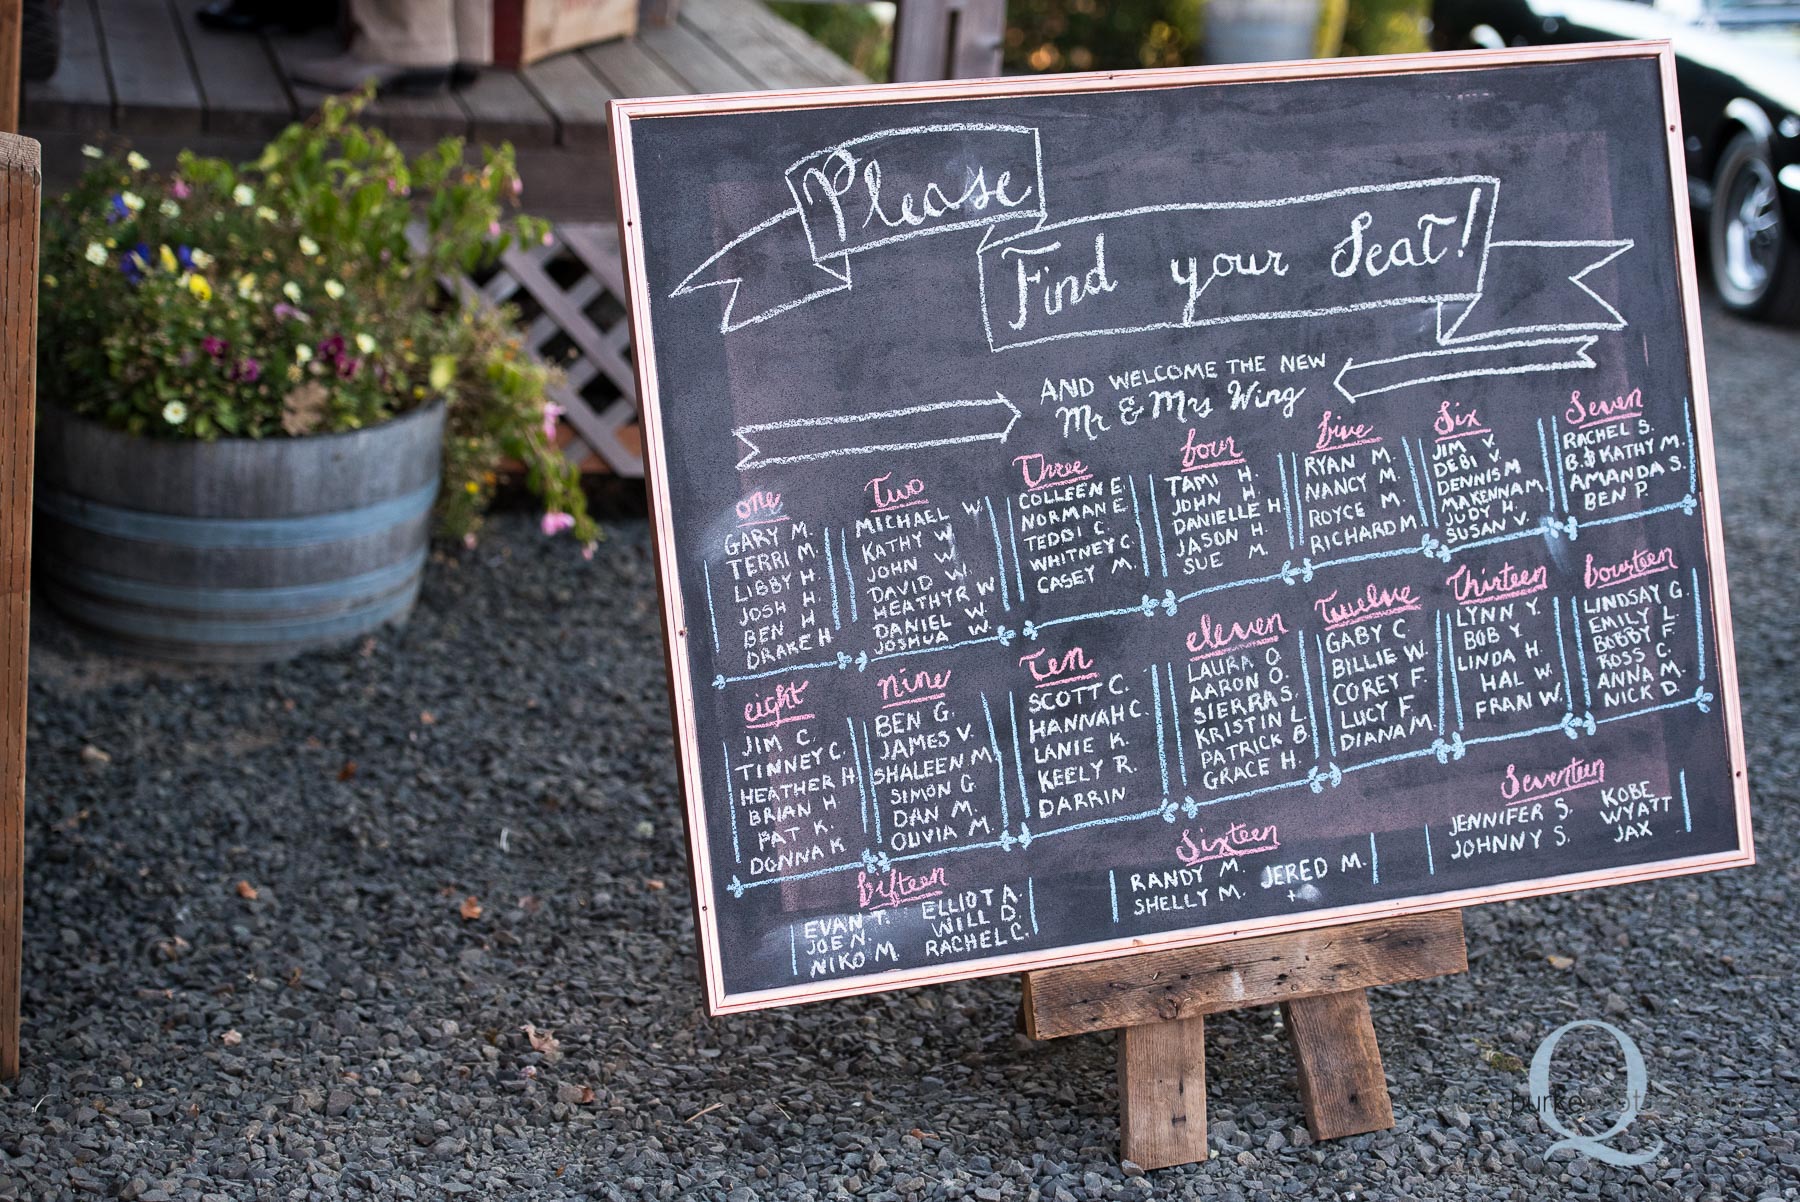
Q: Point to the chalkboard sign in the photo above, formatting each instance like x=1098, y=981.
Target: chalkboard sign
x=1112, y=512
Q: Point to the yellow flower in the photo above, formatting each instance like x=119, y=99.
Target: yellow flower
x=472, y=488
x=244, y=195
x=365, y=344
x=49, y=280
x=265, y=213
x=167, y=258
x=246, y=285
x=334, y=290
x=138, y=162
x=308, y=247
x=199, y=287
x=96, y=254
x=291, y=290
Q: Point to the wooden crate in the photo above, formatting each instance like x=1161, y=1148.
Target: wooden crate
x=528, y=30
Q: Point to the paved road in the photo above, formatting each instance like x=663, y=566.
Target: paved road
x=254, y=968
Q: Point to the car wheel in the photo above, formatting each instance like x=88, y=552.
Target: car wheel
x=1755, y=257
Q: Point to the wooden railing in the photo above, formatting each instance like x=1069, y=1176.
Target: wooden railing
x=933, y=39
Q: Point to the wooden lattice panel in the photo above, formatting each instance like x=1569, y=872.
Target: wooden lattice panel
x=570, y=296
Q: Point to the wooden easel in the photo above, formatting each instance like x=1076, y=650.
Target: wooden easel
x=1159, y=1000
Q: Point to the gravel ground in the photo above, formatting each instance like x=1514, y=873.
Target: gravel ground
x=412, y=922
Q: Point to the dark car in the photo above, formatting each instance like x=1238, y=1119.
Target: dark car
x=1738, y=72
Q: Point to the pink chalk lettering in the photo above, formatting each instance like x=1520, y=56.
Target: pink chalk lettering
x=1041, y=473
x=1238, y=840
x=1212, y=638
x=1642, y=563
x=760, y=508
x=775, y=709
x=912, y=688
x=1472, y=588
x=1451, y=422
x=1372, y=603
x=1587, y=414
x=1198, y=456
x=1336, y=437
x=904, y=497
x=898, y=888
x=1071, y=667
x=1520, y=787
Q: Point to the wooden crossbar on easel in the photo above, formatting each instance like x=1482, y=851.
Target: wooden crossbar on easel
x=1158, y=1002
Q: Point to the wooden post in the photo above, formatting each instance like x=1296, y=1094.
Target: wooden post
x=19, y=188
x=1159, y=1001
x=12, y=29
x=947, y=39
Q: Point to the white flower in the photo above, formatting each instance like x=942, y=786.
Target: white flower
x=93, y=152
x=265, y=213
x=334, y=290
x=96, y=254
x=174, y=413
x=169, y=208
x=291, y=290
x=131, y=200
x=243, y=195
x=365, y=344
x=138, y=162
x=308, y=247
x=200, y=258
x=302, y=353
x=246, y=285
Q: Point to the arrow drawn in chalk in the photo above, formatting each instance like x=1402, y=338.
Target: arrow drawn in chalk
x=1375, y=376
x=804, y=439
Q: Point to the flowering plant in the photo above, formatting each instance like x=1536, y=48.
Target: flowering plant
x=284, y=298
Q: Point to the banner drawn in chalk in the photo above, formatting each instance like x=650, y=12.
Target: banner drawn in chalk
x=1177, y=266
x=802, y=440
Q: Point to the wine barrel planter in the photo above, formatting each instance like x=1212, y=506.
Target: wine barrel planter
x=239, y=550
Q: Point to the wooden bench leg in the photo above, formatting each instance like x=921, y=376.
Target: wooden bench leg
x=1162, y=1093
x=1342, y=1086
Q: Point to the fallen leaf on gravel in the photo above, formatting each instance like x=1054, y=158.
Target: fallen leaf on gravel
x=231, y=1038
x=654, y=885
x=173, y=948
x=426, y=718
x=294, y=977
x=541, y=1041
x=246, y=890
x=348, y=770
x=94, y=755
x=1561, y=961
x=530, y=904
x=470, y=908
x=918, y=1134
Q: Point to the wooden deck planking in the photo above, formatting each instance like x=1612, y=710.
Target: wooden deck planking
x=144, y=69
x=153, y=86
x=631, y=70
x=574, y=95
x=78, y=97
x=241, y=93
x=695, y=62
x=732, y=28
x=502, y=108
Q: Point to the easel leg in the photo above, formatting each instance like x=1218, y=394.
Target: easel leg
x=1342, y=1086
x=1162, y=1093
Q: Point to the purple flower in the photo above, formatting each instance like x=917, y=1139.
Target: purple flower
x=555, y=522
x=180, y=189
x=135, y=262
x=214, y=346
x=248, y=371
x=119, y=211
x=287, y=312
x=348, y=367
x=185, y=256
x=332, y=348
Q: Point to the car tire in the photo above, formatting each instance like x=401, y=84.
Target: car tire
x=1755, y=255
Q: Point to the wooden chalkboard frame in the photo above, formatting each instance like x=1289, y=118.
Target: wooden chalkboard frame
x=622, y=115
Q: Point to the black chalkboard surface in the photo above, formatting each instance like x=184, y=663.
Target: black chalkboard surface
x=1111, y=512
